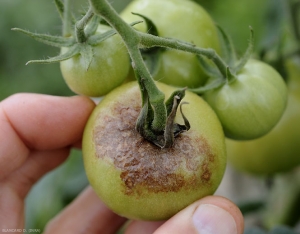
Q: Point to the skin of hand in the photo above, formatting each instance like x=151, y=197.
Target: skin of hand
x=36, y=134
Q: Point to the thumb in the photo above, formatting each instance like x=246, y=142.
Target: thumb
x=210, y=215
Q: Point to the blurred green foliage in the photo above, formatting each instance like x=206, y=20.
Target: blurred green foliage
x=235, y=17
x=61, y=186
x=16, y=49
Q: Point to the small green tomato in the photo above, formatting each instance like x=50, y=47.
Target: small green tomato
x=250, y=106
x=180, y=19
x=108, y=69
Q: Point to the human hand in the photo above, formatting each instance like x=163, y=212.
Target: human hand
x=37, y=133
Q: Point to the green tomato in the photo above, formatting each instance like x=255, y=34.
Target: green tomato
x=279, y=150
x=139, y=180
x=252, y=104
x=180, y=19
x=108, y=69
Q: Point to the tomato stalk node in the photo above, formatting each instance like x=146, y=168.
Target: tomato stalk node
x=80, y=26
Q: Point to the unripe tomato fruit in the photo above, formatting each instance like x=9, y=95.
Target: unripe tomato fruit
x=279, y=150
x=179, y=19
x=139, y=180
x=250, y=106
x=108, y=69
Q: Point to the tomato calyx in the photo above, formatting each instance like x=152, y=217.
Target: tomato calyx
x=81, y=41
x=227, y=72
x=165, y=138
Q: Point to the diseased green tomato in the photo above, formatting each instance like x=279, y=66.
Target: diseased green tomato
x=135, y=178
x=252, y=105
x=108, y=69
x=279, y=150
x=180, y=19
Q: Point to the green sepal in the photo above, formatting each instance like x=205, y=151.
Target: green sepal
x=143, y=124
x=56, y=41
x=228, y=50
x=98, y=38
x=169, y=102
x=87, y=54
x=179, y=128
x=247, y=55
x=74, y=50
x=173, y=129
x=230, y=75
x=216, y=79
x=151, y=27
x=212, y=84
x=165, y=138
x=92, y=26
x=209, y=69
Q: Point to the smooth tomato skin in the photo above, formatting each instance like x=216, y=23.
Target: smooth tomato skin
x=180, y=19
x=108, y=69
x=160, y=184
x=279, y=150
x=252, y=105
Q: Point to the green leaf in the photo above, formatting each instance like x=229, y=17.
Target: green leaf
x=254, y=230
x=251, y=206
x=56, y=41
x=282, y=230
x=69, y=54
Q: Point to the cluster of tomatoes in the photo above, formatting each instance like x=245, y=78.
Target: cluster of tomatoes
x=129, y=173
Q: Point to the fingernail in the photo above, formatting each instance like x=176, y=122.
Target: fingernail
x=210, y=219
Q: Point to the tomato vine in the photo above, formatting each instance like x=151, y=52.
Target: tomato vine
x=156, y=119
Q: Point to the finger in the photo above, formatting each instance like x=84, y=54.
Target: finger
x=137, y=227
x=87, y=214
x=47, y=122
x=210, y=215
x=37, y=165
x=15, y=187
x=41, y=122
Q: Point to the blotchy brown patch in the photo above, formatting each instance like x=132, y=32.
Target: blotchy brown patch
x=143, y=165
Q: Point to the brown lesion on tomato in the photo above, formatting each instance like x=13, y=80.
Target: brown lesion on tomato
x=144, y=166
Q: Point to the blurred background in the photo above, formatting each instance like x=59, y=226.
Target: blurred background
x=61, y=186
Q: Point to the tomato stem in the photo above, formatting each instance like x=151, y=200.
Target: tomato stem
x=154, y=119
x=67, y=22
x=149, y=41
x=80, y=26
x=131, y=39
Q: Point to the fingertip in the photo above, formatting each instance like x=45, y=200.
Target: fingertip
x=210, y=215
